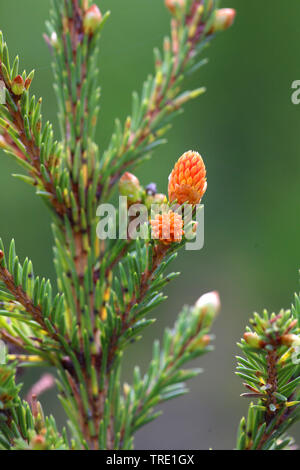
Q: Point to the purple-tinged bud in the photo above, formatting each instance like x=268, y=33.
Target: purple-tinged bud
x=92, y=20
x=151, y=189
x=18, y=85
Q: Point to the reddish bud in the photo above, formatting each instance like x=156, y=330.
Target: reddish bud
x=27, y=83
x=38, y=443
x=224, y=18
x=172, y=5
x=253, y=340
x=18, y=85
x=204, y=341
x=92, y=19
x=29, y=79
x=129, y=186
x=290, y=340
x=200, y=343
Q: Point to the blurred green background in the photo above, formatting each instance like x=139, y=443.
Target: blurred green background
x=247, y=130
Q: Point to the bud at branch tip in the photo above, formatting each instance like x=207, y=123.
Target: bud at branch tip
x=92, y=20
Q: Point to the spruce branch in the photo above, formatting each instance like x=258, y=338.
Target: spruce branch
x=138, y=293
x=270, y=370
x=165, y=378
x=22, y=427
x=106, y=287
x=73, y=36
x=23, y=136
x=193, y=25
x=125, y=413
x=36, y=320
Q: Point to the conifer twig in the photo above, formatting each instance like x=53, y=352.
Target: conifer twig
x=271, y=374
x=106, y=288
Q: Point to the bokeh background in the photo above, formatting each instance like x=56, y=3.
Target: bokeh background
x=247, y=130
